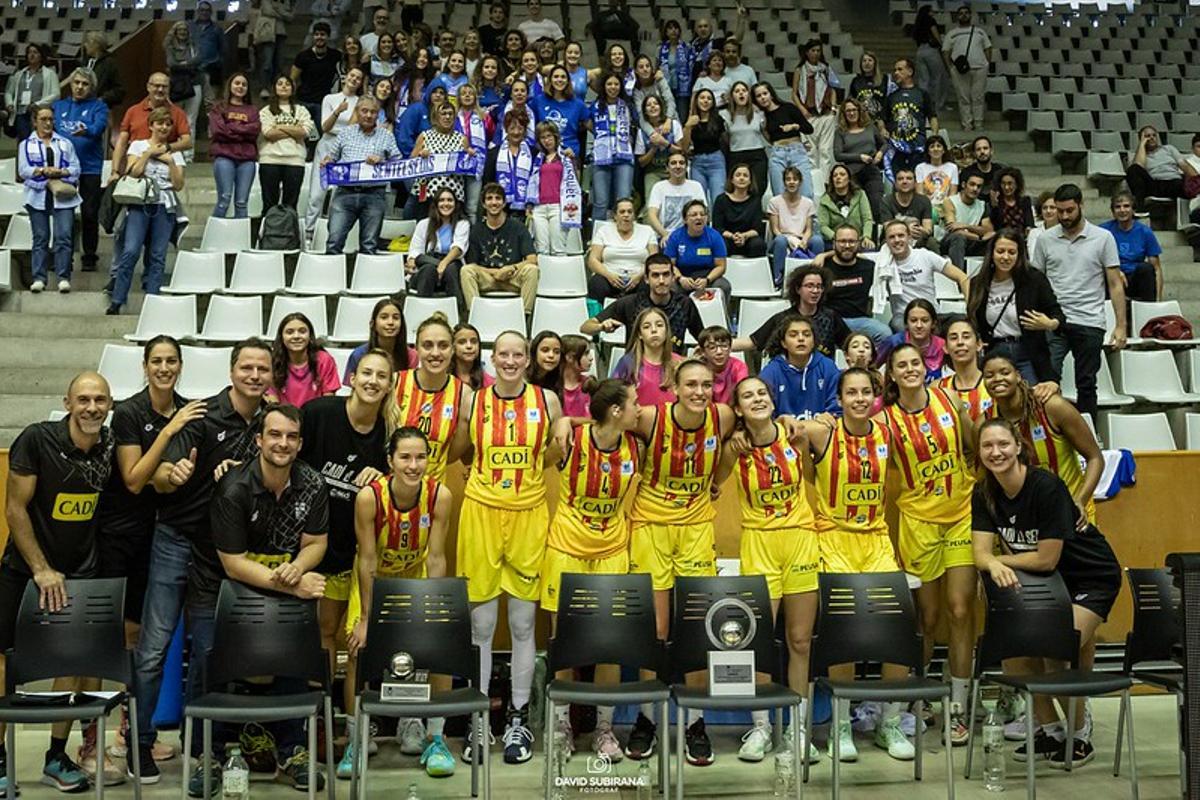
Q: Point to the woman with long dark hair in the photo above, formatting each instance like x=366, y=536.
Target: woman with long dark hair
x=438, y=245
x=705, y=132
x=747, y=144
x=1012, y=207
x=677, y=60
x=844, y=203
x=870, y=85
x=301, y=368
x=388, y=333
x=614, y=126
x=785, y=124
x=859, y=146
x=413, y=78
x=233, y=129
x=1013, y=306
x=285, y=128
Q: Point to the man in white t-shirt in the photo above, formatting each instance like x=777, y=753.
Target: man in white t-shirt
x=968, y=53
x=664, y=209
x=538, y=27
x=914, y=269
x=736, y=69
x=380, y=21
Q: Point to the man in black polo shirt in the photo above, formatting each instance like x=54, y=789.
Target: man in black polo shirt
x=269, y=519
x=56, y=473
x=849, y=291
x=658, y=289
x=182, y=553
x=315, y=71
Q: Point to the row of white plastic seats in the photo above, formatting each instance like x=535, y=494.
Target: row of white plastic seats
x=1155, y=431
x=1025, y=97
x=1132, y=375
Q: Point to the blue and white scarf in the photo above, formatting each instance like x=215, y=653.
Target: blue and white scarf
x=513, y=173
x=35, y=158
x=629, y=82
x=500, y=137
x=680, y=79
x=612, y=138
x=475, y=134
x=360, y=173
x=570, y=195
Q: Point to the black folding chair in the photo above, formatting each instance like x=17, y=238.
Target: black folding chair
x=870, y=616
x=430, y=619
x=688, y=650
x=1148, y=647
x=607, y=619
x=1035, y=620
x=84, y=639
x=261, y=634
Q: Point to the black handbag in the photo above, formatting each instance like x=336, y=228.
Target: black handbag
x=183, y=84
x=962, y=63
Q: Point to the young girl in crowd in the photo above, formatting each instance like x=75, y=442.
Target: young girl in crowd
x=301, y=368
x=859, y=350
x=489, y=83
x=649, y=363
x=545, y=364
x=388, y=333
x=468, y=359
x=937, y=177
x=573, y=61
x=966, y=382
x=803, y=380
x=920, y=330
x=658, y=136
x=716, y=350
x=575, y=381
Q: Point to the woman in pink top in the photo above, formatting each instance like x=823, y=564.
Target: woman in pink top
x=791, y=219
x=650, y=363
x=575, y=364
x=551, y=178
x=302, y=369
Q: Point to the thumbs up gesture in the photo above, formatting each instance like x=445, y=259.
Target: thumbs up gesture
x=181, y=471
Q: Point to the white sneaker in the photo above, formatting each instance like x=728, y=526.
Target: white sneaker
x=1015, y=730
x=37, y=286
x=756, y=743
x=889, y=737
x=847, y=751
x=411, y=736
x=64, y=286
x=814, y=755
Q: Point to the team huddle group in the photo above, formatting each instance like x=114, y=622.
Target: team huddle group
x=318, y=500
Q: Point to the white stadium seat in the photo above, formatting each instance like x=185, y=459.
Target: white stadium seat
x=197, y=273
x=174, y=316
x=1106, y=394
x=494, y=315
x=1151, y=375
x=231, y=319
x=205, y=371
x=311, y=307
x=419, y=309
x=318, y=273
x=19, y=235
x=225, y=235
x=352, y=320
x=256, y=273
x=1140, y=432
x=559, y=314
x=121, y=366
x=561, y=276
x=381, y=273
x=1142, y=312
x=753, y=314
x=750, y=277
x=1193, y=430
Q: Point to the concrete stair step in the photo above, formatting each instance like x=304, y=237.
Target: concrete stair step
x=41, y=380
x=70, y=306
x=17, y=411
x=45, y=325
x=29, y=352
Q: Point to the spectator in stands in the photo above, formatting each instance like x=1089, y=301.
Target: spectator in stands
x=984, y=167
x=381, y=21
x=472, y=51
x=352, y=58
x=511, y=164
x=187, y=88
x=715, y=350
x=437, y=248
x=209, y=42
x=907, y=112
x=658, y=288
x=618, y=254
x=785, y=128
x=930, y=70
x=698, y=251
x=491, y=35
x=968, y=53
x=937, y=176
x=1139, y=250
x=1155, y=169
x=870, y=86
x=553, y=190
x=968, y=226
x=30, y=86
x=301, y=369
x=914, y=209
x=677, y=60
x=736, y=69
x=488, y=81
x=1013, y=308
x=510, y=59
x=1047, y=218
x=413, y=78
x=315, y=70
x=234, y=127
x=109, y=87
x=475, y=126
x=848, y=291
x=658, y=137
x=737, y=215
x=385, y=61
x=616, y=62
x=573, y=61
x=664, y=208
x=714, y=80
x=615, y=22
x=363, y=204
x=440, y=138
x=910, y=271
x=285, y=128
x=151, y=227
x=454, y=73
x=649, y=81
x=559, y=106
x=706, y=134
x=1079, y=258
x=49, y=169
x=416, y=120
x=1012, y=208
x=744, y=122
x=815, y=87
x=135, y=125
x=81, y=118
x=500, y=254
x=328, y=13
x=858, y=146
x=538, y=27
x=845, y=204
x=337, y=112
x=806, y=289
x=614, y=125
x=705, y=40
x=794, y=233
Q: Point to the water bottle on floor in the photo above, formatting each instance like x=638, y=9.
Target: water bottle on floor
x=785, y=774
x=559, y=768
x=645, y=787
x=412, y=792
x=235, y=778
x=993, y=753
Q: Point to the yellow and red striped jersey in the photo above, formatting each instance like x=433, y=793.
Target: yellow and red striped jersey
x=509, y=435
x=402, y=535
x=590, y=521
x=434, y=413
x=770, y=483
x=849, y=478
x=929, y=451
x=974, y=401
x=678, y=470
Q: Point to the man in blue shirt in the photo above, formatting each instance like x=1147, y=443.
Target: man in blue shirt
x=82, y=117
x=1139, y=250
x=208, y=40
x=698, y=251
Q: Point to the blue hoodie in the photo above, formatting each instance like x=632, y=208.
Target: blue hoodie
x=412, y=123
x=803, y=392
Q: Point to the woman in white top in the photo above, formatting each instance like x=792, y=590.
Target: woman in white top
x=791, y=219
x=659, y=135
x=286, y=126
x=386, y=62
x=42, y=158
x=716, y=81
x=617, y=257
x=747, y=145
x=337, y=111
x=1048, y=213
x=437, y=247
x=937, y=178
x=154, y=222
x=28, y=87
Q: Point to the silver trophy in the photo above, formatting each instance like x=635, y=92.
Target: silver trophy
x=731, y=626
x=403, y=682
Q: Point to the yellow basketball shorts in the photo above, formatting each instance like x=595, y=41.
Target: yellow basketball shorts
x=928, y=549
x=788, y=558
x=556, y=562
x=500, y=550
x=849, y=551
x=670, y=551
x=338, y=586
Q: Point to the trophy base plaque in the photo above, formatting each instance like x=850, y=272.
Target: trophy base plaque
x=731, y=673
x=413, y=690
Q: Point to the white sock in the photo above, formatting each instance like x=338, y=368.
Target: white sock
x=1056, y=729
x=649, y=712
x=891, y=711
x=435, y=725
x=521, y=617
x=604, y=715
x=762, y=719
x=959, y=690
x=483, y=628
x=694, y=714
x=844, y=711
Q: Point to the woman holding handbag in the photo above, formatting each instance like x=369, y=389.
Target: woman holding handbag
x=47, y=163
x=157, y=172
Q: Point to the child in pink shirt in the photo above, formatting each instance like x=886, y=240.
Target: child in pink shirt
x=715, y=349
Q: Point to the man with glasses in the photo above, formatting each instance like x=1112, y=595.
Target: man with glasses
x=135, y=124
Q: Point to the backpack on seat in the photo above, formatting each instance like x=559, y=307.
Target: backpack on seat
x=280, y=229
